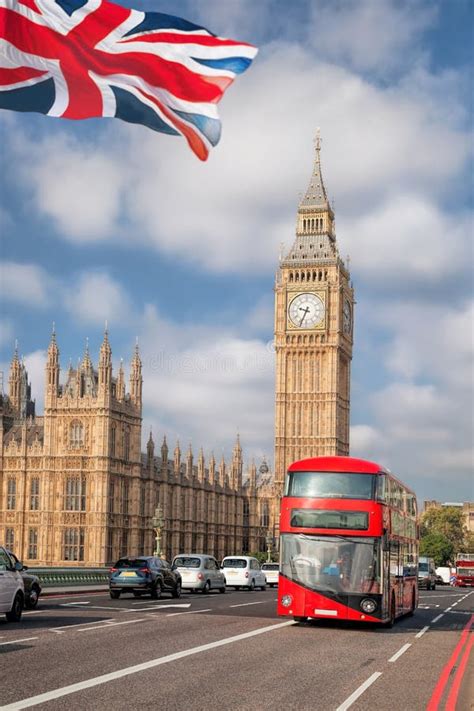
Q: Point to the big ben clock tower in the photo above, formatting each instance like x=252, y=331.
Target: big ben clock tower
x=314, y=309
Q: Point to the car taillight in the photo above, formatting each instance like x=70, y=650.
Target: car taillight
x=200, y=576
x=144, y=570
x=246, y=575
x=113, y=570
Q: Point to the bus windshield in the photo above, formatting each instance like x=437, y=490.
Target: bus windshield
x=330, y=485
x=337, y=565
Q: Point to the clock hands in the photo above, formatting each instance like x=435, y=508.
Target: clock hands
x=306, y=312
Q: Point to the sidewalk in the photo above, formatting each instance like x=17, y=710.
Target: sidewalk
x=72, y=590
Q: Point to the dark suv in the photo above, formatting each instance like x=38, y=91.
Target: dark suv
x=144, y=574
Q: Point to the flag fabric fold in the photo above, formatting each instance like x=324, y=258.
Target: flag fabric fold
x=81, y=59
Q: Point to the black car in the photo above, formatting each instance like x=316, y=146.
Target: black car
x=30, y=581
x=144, y=575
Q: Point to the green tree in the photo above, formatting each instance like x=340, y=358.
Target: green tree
x=437, y=546
x=448, y=521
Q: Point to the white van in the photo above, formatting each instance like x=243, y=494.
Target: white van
x=12, y=592
x=242, y=571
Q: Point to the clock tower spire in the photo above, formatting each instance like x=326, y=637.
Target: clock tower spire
x=313, y=336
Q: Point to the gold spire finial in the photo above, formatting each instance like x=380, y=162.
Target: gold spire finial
x=317, y=142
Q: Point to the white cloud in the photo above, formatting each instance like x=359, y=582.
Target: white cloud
x=6, y=332
x=35, y=364
x=26, y=284
x=204, y=385
x=79, y=188
x=380, y=145
x=96, y=297
x=369, y=35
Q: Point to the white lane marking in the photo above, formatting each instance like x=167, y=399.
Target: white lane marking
x=455, y=603
x=111, y=624
x=422, y=632
x=190, y=612
x=354, y=696
x=459, y=612
x=428, y=597
x=424, y=607
x=34, y=612
x=157, y=607
x=67, y=604
x=105, y=678
x=437, y=618
x=401, y=651
x=79, y=624
x=17, y=641
x=448, y=609
x=245, y=604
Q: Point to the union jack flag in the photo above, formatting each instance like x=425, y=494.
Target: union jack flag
x=78, y=59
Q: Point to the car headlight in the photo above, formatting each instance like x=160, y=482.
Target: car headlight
x=367, y=605
x=286, y=600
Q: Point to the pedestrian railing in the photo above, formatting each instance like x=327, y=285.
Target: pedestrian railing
x=55, y=577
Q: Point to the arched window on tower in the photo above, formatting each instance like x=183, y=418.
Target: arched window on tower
x=113, y=440
x=76, y=434
x=11, y=494
x=126, y=443
x=265, y=515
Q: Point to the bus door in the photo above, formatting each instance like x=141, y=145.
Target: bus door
x=396, y=574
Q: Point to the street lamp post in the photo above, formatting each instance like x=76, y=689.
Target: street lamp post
x=157, y=522
x=269, y=542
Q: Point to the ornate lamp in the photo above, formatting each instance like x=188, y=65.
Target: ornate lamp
x=157, y=522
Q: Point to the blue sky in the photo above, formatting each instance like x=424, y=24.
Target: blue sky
x=102, y=220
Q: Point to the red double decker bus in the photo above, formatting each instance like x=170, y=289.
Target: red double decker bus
x=348, y=542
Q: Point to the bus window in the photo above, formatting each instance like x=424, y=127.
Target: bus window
x=330, y=485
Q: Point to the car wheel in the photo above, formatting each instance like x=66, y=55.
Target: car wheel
x=115, y=594
x=412, y=609
x=237, y=587
x=206, y=588
x=14, y=615
x=137, y=593
x=433, y=587
x=263, y=587
x=32, y=599
x=177, y=591
x=156, y=591
x=222, y=590
x=252, y=586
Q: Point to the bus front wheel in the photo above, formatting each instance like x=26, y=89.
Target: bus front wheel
x=391, y=621
x=300, y=619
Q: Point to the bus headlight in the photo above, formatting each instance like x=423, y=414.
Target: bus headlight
x=367, y=605
x=286, y=600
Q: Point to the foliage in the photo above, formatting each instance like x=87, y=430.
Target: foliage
x=468, y=546
x=262, y=557
x=437, y=546
x=447, y=521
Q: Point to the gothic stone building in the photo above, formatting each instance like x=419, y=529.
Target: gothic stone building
x=74, y=484
x=76, y=488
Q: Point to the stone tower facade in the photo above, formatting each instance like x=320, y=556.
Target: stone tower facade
x=75, y=488
x=314, y=309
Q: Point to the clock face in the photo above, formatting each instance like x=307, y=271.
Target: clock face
x=347, y=317
x=306, y=311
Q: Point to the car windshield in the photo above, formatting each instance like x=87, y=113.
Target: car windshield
x=337, y=565
x=423, y=567
x=187, y=562
x=234, y=563
x=330, y=485
x=270, y=566
x=131, y=563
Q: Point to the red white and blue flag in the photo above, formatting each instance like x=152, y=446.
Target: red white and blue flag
x=80, y=59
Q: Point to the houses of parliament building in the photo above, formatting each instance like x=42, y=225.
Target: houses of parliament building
x=75, y=486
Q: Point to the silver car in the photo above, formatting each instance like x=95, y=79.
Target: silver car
x=199, y=572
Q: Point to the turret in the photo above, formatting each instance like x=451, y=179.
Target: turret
x=201, y=466
x=177, y=459
x=189, y=463
x=150, y=450
x=105, y=365
x=212, y=470
x=237, y=464
x=164, y=452
x=136, y=380
x=52, y=370
x=253, y=476
x=14, y=381
x=120, y=387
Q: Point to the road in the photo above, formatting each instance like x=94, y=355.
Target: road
x=232, y=652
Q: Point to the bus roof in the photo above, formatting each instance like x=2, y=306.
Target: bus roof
x=337, y=464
